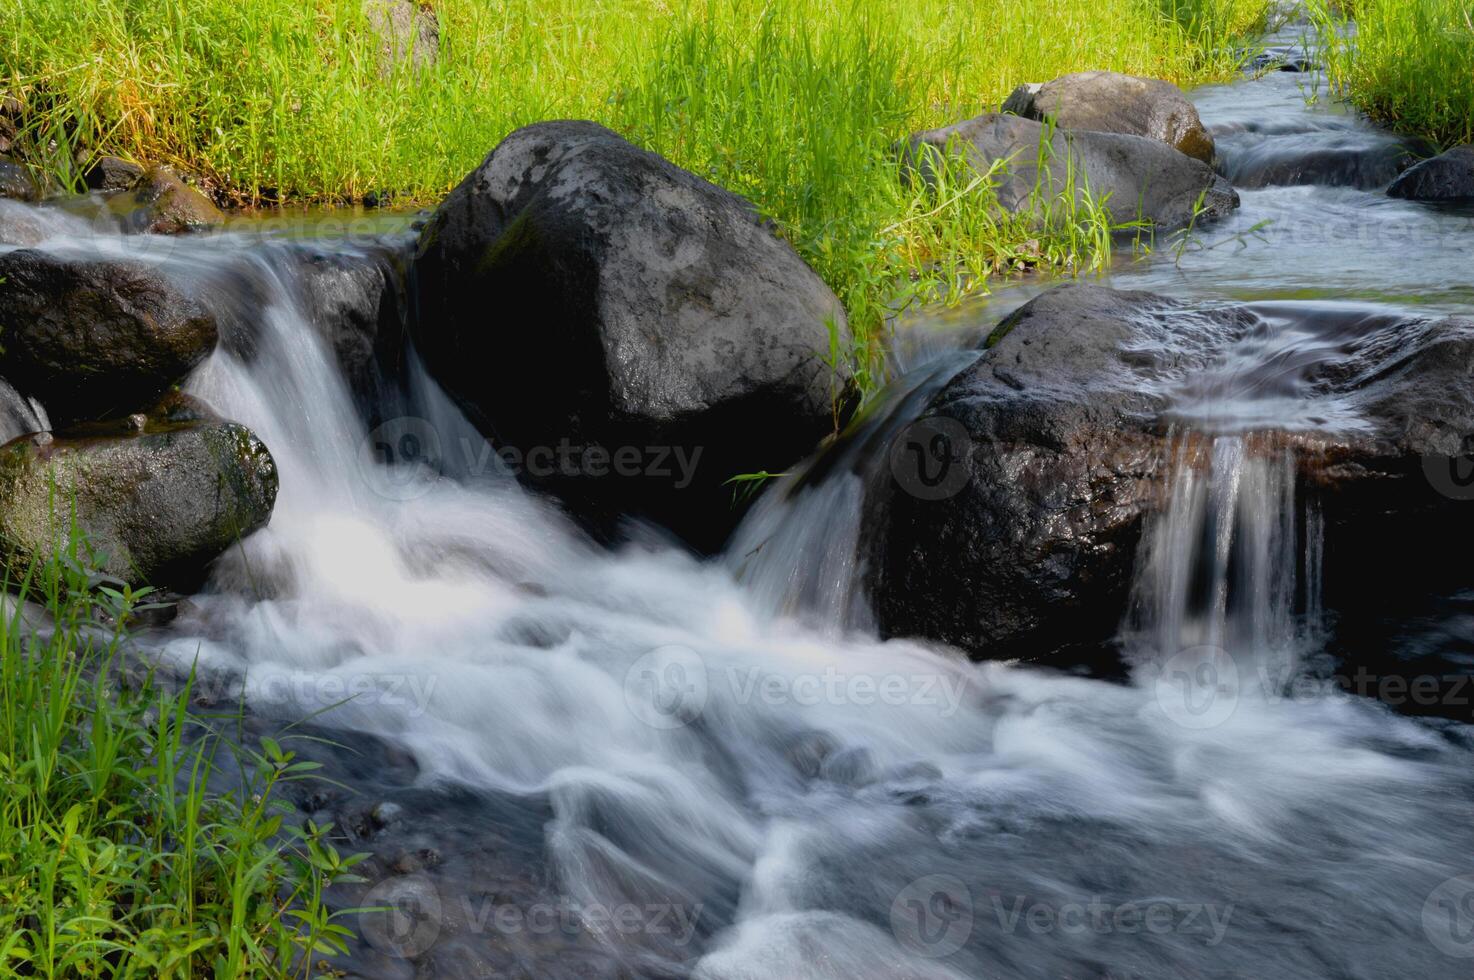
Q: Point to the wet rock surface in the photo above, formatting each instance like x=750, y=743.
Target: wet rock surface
x=16, y=182
x=1010, y=518
x=96, y=337
x=578, y=291
x=1054, y=430
x=1340, y=157
x=160, y=203
x=1139, y=178
x=1446, y=177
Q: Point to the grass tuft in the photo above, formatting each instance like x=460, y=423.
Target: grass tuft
x=1406, y=63
x=120, y=856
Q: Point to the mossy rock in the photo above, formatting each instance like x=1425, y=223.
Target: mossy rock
x=157, y=504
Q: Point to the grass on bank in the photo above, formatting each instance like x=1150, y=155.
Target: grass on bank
x=119, y=857
x=1409, y=64
x=796, y=104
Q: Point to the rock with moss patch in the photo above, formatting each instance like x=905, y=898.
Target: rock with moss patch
x=162, y=204
x=94, y=338
x=156, y=500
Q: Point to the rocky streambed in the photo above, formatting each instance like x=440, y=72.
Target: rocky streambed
x=1116, y=638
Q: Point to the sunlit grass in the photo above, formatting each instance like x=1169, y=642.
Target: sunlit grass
x=797, y=105
x=1407, y=63
x=122, y=855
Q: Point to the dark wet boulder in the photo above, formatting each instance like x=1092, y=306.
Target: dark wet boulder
x=1446, y=177
x=1008, y=519
x=1397, y=497
x=587, y=300
x=1029, y=544
x=355, y=299
x=162, y=204
x=1340, y=157
x=94, y=338
x=1110, y=102
x=16, y=182
x=109, y=173
x=1140, y=178
x=156, y=500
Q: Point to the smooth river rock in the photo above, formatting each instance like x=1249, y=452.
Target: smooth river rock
x=1110, y=102
x=577, y=291
x=1139, y=178
x=1055, y=428
x=96, y=338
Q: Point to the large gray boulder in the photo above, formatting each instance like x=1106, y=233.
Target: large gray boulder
x=1446, y=177
x=157, y=502
x=1139, y=178
x=93, y=338
x=576, y=290
x=1110, y=102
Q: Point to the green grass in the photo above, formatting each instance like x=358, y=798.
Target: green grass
x=796, y=104
x=118, y=858
x=1407, y=63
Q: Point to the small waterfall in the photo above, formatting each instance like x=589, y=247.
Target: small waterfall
x=799, y=552
x=1230, y=565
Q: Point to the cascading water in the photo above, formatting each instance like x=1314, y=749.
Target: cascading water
x=792, y=798
x=1228, y=576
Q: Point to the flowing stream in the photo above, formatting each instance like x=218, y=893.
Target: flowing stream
x=640, y=763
